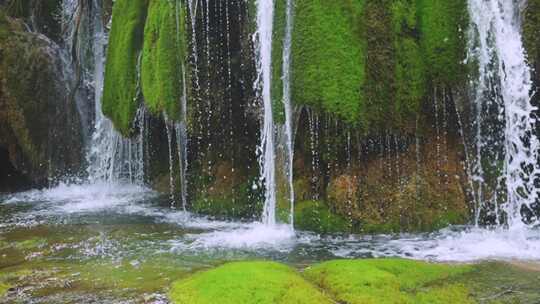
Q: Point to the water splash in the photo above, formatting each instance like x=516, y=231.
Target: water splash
x=503, y=87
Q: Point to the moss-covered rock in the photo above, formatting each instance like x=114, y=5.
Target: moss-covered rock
x=246, y=282
x=390, y=281
x=121, y=92
x=164, y=58
x=39, y=122
x=316, y=216
x=224, y=192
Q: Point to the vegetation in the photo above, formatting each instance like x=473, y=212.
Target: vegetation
x=390, y=281
x=316, y=216
x=328, y=57
x=121, y=93
x=164, y=58
x=247, y=282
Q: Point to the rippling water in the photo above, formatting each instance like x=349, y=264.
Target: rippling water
x=131, y=232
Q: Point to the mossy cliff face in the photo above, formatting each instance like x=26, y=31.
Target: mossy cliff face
x=39, y=123
x=376, y=84
x=121, y=93
x=372, y=63
x=385, y=183
x=328, y=64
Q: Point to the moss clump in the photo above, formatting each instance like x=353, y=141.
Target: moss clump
x=328, y=57
x=317, y=217
x=121, y=90
x=278, y=44
x=163, y=61
x=246, y=282
x=390, y=281
x=410, y=70
x=443, y=26
x=531, y=28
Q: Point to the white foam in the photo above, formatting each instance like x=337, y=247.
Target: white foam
x=72, y=198
x=247, y=237
x=469, y=245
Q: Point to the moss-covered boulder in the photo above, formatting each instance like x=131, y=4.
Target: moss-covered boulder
x=121, y=92
x=247, y=282
x=390, y=281
x=39, y=121
x=164, y=61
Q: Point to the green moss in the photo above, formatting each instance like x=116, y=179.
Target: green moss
x=328, y=57
x=531, y=28
x=121, y=90
x=246, y=282
x=443, y=25
x=316, y=216
x=278, y=36
x=389, y=281
x=378, y=87
x=410, y=71
x=164, y=58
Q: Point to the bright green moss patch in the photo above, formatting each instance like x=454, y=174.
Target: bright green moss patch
x=328, y=56
x=246, y=282
x=443, y=25
x=121, y=90
x=389, y=281
x=163, y=61
x=316, y=216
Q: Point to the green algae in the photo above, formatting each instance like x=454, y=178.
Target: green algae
x=121, y=89
x=389, y=281
x=164, y=58
x=247, y=282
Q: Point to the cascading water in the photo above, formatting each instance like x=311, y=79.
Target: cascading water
x=265, y=16
x=502, y=89
x=287, y=45
x=110, y=157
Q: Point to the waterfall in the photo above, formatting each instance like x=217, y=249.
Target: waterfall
x=287, y=45
x=109, y=156
x=502, y=90
x=265, y=16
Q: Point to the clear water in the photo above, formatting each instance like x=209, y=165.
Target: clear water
x=97, y=237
